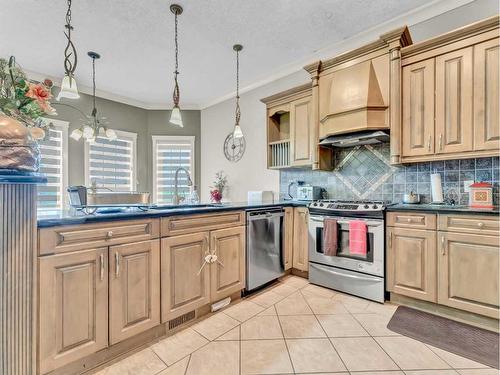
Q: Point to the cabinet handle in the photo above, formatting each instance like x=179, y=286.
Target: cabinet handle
x=390, y=240
x=441, y=142
x=409, y=220
x=480, y=224
x=109, y=235
x=101, y=260
x=429, y=143
x=443, y=247
x=117, y=264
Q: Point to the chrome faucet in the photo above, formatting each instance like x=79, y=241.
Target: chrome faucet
x=176, y=197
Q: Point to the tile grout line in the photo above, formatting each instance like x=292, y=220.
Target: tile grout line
x=284, y=339
x=187, y=365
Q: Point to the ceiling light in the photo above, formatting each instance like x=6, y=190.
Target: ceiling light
x=68, y=86
x=175, y=117
x=237, y=132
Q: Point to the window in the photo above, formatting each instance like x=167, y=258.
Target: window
x=54, y=164
x=112, y=164
x=170, y=153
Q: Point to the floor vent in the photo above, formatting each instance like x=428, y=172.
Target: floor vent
x=181, y=320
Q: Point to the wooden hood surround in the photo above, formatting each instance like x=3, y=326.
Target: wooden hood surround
x=360, y=90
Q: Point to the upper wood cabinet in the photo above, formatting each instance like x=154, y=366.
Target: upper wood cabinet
x=301, y=142
x=450, y=95
x=134, y=289
x=301, y=239
x=73, y=300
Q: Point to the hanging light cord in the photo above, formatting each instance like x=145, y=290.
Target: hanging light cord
x=238, y=112
x=94, y=110
x=70, y=58
x=176, y=95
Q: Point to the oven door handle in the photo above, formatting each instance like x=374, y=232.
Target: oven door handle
x=329, y=270
x=368, y=223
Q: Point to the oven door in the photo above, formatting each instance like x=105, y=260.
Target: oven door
x=371, y=263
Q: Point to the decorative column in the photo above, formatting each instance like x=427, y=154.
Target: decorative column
x=18, y=289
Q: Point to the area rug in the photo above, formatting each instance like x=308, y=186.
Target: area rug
x=471, y=342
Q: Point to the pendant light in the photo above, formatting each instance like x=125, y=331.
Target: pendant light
x=175, y=116
x=68, y=86
x=93, y=126
x=237, y=132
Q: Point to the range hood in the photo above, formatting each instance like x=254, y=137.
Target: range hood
x=356, y=139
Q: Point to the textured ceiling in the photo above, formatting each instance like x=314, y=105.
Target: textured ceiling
x=135, y=39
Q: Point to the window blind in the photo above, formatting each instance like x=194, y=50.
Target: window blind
x=111, y=163
x=169, y=154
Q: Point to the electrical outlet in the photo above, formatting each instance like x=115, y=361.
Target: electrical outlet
x=467, y=185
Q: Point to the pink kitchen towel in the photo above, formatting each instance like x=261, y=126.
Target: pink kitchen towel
x=330, y=237
x=357, y=237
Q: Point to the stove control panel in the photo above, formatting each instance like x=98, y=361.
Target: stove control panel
x=348, y=206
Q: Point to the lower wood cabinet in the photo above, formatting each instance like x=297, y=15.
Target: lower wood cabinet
x=185, y=276
x=301, y=239
x=134, y=289
x=288, y=238
x=468, y=272
x=73, y=295
x=411, y=263
x=227, y=273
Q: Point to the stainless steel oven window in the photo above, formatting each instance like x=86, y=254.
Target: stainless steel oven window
x=343, y=248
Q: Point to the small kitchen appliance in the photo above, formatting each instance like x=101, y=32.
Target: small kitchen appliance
x=481, y=195
x=344, y=269
x=308, y=193
x=411, y=198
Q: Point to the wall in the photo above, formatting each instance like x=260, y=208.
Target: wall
x=251, y=172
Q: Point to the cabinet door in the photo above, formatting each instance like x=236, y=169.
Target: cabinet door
x=300, y=239
x=134, y=289
x=418, y=108
x=454, y=101
x=73, y=307
x=300, y=131
x=288, y=245
x=486, y=96
x=468, y=272
x=411, y=263
x=185, y=277
x=227, y=273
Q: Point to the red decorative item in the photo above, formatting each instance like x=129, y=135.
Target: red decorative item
x=481, y=195
x=215, y=196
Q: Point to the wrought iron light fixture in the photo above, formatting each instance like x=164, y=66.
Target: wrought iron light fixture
x=94, y=125
x=175, y=117
x=237, y=132
x=68, y=86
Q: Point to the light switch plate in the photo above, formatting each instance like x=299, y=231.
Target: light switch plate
x=467, y=185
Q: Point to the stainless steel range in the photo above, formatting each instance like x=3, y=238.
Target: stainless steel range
x=357, y=268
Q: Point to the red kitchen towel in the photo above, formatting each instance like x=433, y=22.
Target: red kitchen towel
x=357, y=237
x=330, y=237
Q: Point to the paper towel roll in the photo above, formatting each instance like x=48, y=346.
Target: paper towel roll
x=436, y=188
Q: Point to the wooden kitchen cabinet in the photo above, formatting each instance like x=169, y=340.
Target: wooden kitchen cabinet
x=73, y=298
x=301, y=239
x=411, y=263
x=134, y=289
x=300, y=132
x=288, y=238
x=227, y=273
x=468, y=272
x=185, y=277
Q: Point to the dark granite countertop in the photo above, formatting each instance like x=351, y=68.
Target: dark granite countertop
x=11, y=176
x=71, y=216
x=442, y=209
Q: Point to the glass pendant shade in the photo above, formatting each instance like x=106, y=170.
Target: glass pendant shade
x=111, y=134
x=237, y=133
x=76, y=134
x=68, y=88
x=175, y=117
x=88, y=132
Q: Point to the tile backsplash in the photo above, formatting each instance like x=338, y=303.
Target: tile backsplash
x=364, y=172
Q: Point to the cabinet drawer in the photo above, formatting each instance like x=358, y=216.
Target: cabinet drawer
x=475, y=224
x=416, y=220
x=175, y=225
x=76, y=237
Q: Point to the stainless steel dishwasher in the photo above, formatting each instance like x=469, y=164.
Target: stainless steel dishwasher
x=265, y=253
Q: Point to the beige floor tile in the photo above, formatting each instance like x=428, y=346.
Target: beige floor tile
x=324, y=305
x=215, y=326
x=353, y=304
x=261, y=327
x=269, y=311
x=293, y=305
x=325, y=373
x=176, y=347
x=144, y=362
x=301, y=326
x=375, y=324
x=178, y=368
x=341, y=325
x=232, y=335
x=218, y=357
x=265, y=357
x=487, y=371
x=243, y=310
x=284, y=290
x=378, y=373
x=266, y=299
x=411, y=354
x=363, y=354
x=387, y=308
x=430, y=372
x=295, y=281
x=314, y=355
x=319, y=291
x=456, y=361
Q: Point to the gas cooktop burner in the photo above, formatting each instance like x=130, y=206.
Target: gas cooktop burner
x=345, y=205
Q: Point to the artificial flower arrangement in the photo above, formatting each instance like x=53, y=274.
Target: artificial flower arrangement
x=218, y=187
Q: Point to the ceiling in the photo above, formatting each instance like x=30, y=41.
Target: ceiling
x=135, y=39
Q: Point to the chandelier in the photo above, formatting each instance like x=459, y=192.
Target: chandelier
x=175, y=116
x=237, y=132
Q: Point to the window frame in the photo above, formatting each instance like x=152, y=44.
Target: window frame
x=131, y=136
x=192, y=141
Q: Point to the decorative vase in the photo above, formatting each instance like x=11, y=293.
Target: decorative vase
x=216, y=196
x=18, y=151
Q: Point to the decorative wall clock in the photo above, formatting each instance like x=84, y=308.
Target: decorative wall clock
x=234, y=148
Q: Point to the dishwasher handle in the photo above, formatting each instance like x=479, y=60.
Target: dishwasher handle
x=264, y=215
